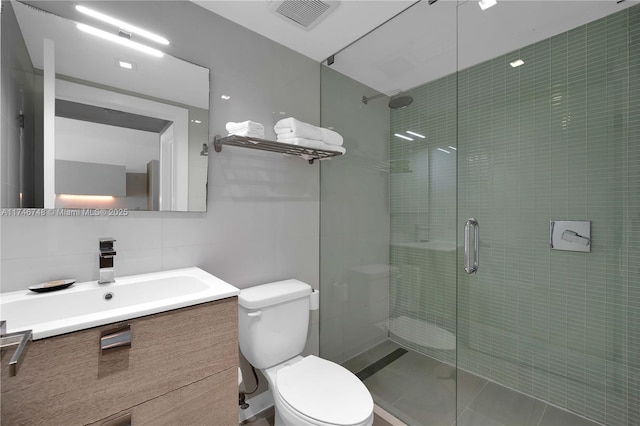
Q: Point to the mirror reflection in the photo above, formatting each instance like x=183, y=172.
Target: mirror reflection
x=104, y=119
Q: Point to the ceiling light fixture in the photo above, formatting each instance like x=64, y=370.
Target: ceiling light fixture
x=225, y=97
x=125, y=65
x=453, y=148
x=120, y=40
x=516, y=63
x=122, y=25
x=486, y=4
x=444, y=150
x=403, y=136
x=416, y=134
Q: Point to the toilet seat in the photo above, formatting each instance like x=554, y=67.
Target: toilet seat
x=324, y=392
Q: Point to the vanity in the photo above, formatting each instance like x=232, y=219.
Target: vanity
x=172, y=360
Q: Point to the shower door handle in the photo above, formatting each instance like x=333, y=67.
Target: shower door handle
x=468, y=268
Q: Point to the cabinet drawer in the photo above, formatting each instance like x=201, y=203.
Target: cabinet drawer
x=66, y=380
x=210, y=401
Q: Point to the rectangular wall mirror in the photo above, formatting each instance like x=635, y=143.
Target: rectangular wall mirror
x=97, y=117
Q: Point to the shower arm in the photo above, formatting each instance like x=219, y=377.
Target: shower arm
x=366, y=99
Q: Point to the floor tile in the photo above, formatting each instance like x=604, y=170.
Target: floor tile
x=473, y=418
x=414, y=366
x=422, y=391
x=430, y=401
x=556, y=417
x=267, y=418
x=507, y=406
x=370, y=356
x=469, y=387
x=379, y=421
x=387, y=385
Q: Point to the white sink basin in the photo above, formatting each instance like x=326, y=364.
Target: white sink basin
x=84, y=305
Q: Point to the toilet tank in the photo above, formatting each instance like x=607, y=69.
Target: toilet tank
x=272, y=321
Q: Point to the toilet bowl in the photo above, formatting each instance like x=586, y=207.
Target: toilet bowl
x=273, y=320
x=313, y=391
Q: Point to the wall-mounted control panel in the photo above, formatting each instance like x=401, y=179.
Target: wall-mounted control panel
x=570, y=235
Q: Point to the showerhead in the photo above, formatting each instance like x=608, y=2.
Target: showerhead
x=400, y=102
x=396, y=102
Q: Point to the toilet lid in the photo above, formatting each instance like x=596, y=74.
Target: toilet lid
x=324, y=391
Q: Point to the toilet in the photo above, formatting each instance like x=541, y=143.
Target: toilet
x=273, y=323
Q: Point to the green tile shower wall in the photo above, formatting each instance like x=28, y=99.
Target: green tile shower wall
x=555, y=139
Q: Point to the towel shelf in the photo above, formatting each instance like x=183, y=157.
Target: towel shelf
x=309, y=154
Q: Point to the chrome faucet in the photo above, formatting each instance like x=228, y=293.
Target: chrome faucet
x=106, y=260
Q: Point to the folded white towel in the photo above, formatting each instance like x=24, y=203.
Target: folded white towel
x=299, y=128
x=248, y=133
x=311, y=143
x=246, y=128
x=293, y=128
x=233, y=127
x=330, y=137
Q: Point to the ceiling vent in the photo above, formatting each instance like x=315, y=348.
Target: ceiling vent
x=304, y=14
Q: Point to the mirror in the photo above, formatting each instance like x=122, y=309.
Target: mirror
x=99, y=117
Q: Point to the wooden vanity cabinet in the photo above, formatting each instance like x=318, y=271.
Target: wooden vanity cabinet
x=181, y=368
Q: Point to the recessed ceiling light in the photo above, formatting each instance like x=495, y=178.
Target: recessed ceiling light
x=197, y=121
x=403, y=136
x=122, y=25
x=225, y=97
x=453, y=148
x=516, y=63
x=416, y=134
x=120, y=40
x=444, y=150
x=486, y=4
x=125, y=65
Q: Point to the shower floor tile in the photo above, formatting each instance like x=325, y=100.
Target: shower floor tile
x=421, y=391
x=554, y=416
x=370, y=356
x=473, y=418
x=431, y=401
x=507, y=406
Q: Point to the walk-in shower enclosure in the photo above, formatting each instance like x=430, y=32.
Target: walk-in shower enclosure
x=545, y=128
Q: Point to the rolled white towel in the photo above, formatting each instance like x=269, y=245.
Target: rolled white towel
x=311, y=143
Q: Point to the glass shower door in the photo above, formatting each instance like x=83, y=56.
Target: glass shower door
x=387, y=209
x=548, y=329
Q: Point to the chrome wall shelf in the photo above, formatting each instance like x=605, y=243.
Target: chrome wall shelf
x=309, y=154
